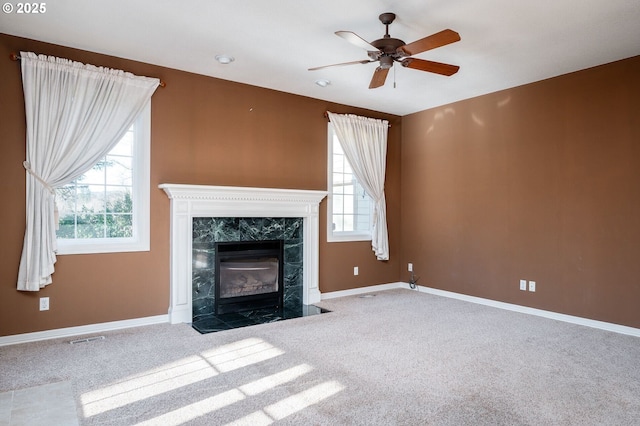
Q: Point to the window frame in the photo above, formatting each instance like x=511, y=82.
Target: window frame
x=140, y=198
x=341, y=236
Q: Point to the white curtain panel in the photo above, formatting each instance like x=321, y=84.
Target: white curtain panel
x=364, y=142
x=76, y=114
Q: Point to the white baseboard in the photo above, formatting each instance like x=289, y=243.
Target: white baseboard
x=160, y=319
x=83, y=329
x=616, y=328
x=360, y=290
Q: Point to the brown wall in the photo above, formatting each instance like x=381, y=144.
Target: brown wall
x=204, y=131
x=539, y=182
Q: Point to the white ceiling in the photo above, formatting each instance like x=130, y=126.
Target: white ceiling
x=505, y=43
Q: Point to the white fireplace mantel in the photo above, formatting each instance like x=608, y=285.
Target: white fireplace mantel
x=189, y=201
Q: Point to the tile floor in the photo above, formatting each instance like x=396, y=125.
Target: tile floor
x=46, y=405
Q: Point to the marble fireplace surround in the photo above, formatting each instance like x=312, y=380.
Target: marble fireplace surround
x=189, y=201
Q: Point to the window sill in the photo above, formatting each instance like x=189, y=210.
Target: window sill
x=347, y=237
x=101, y=246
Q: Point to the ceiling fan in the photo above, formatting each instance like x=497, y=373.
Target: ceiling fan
x=388, y=50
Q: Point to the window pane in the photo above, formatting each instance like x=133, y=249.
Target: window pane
x=82, y=204
x=95, y=175
x=348, y=208
x=96, y=212
x=119, y=170
x=338, y=223
x=66, y=200
x=90, y=226
x=348, y=223
x=119, y=200
x=362, y=222
x=348, y=189
x=347, y=167
x=350, y=205
x=363, y=204
x=67, y=226
x=119, y=226
x=90, y=199
x=337, y=148
x=338, y=163
x=338, y=204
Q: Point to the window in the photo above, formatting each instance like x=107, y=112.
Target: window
x=107, y=209
x=349, y=206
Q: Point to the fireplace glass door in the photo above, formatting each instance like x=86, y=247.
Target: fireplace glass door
x=248, y=276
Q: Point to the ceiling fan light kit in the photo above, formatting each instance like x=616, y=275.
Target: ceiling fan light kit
x=388, y=50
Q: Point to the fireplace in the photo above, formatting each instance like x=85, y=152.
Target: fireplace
x=190, y=203
x=249, y=276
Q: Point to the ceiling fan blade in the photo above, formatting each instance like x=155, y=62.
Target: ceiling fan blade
x=355, y=39
x=379, y=77
x=442, y=38
x=430, y=66
x=364, y=61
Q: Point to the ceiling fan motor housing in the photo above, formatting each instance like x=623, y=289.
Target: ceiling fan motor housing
x=388, y=45
x=388, y=51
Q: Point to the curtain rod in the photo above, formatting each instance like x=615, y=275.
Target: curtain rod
x=326, y=115
x=15, y=57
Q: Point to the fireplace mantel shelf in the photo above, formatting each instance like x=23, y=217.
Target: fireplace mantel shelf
x=206, y=192
x=189, y=201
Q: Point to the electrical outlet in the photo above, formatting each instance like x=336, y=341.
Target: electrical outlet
x=44, y=303
x=532, y=286
x=410, y=267
x=523, y=285
x=355, y=270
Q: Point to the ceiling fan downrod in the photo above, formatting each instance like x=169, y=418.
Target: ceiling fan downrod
x=387, y=19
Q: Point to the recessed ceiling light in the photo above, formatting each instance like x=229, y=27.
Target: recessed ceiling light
x=224, y=59
x=323, y=82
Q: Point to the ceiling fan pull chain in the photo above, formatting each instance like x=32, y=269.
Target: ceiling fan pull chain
x=394, y=77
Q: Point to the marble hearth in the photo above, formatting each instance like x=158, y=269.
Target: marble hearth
x=202, y=215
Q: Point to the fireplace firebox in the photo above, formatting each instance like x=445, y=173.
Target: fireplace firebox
x=249, y=276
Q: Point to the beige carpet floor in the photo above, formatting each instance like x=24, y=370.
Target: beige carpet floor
x=397, y=358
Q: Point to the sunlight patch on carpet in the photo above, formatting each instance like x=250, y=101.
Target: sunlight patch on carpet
x=241, y=354
x=178, y=374
x=290, y=405
x=197, y=409
x=274, y=380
